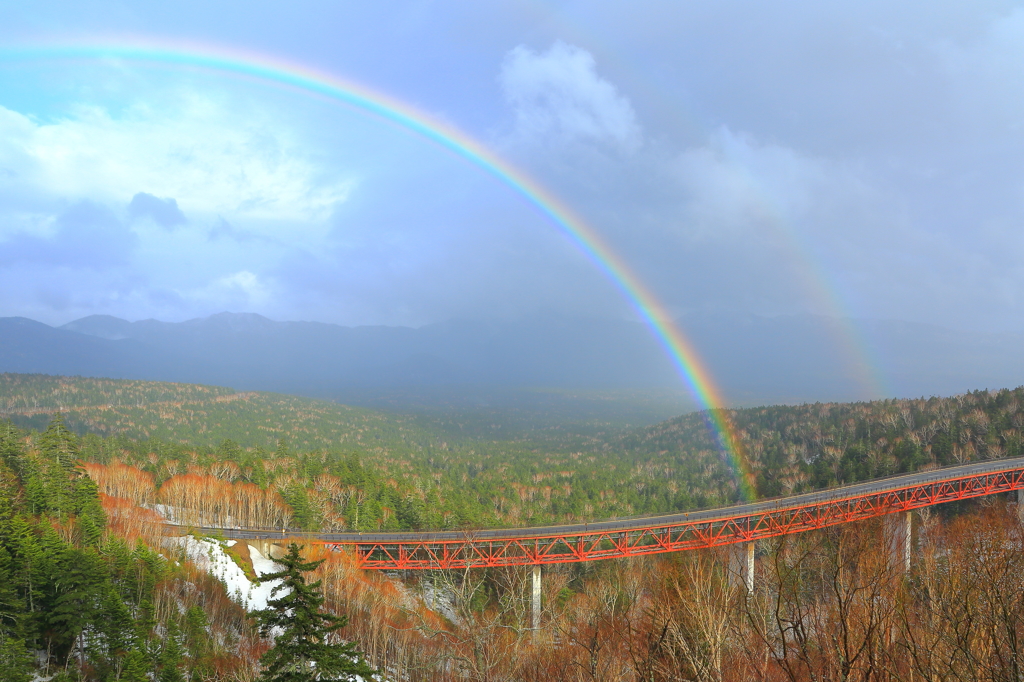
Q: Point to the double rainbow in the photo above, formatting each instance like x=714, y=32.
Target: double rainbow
x=360, y=97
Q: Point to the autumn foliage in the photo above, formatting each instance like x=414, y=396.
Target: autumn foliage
x=834, y=604
x=206, y=500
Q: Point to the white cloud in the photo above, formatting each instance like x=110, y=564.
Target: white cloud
x=206, y=157
x=558, y=93
x=241, y=290
x=734, y=186
x=734, y=183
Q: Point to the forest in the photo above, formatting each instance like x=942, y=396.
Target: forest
x=84, y=598
x=398, y=472
x=92, y=590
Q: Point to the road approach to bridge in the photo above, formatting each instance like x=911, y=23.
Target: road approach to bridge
x=679, y=531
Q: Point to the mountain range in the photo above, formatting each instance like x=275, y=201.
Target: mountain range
x=754, y=360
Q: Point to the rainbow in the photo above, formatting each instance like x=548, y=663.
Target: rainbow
x=360, y=97
x=816, y=281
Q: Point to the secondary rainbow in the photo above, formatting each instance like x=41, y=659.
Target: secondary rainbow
x=358, y=96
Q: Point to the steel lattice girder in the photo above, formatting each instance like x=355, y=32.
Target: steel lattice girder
x=470, y=552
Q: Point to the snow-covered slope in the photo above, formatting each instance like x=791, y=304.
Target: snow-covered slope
x=209, y=554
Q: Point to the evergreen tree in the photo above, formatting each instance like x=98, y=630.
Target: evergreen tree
x=136, y=668
x=12, y=606
x=10, y=446
x=15, y=661
x=171, y=656
x=78, y=601
x=306, y=648
x=116, y=625
x=85, y=499
x=50, y=479
x=59, y=444
x=196, y=639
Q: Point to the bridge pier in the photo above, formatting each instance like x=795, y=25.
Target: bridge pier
x=901, y=540
x=535, y=601
x=262, y=546
x=748, y=566
x=741, y=565
x=267, y=548
x=1020, y=504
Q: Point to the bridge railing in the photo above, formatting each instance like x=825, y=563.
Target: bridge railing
x=622, y=524
x=424, y=551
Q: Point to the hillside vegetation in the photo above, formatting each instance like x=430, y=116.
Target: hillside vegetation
x=270, y=460
x=86, y=580
x=197, y=415
x=321, y=465
x=793, y=449
x=79, y=593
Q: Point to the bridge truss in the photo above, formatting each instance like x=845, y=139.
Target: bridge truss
x=641, y=537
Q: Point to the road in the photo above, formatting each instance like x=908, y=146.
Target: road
x=705, y=516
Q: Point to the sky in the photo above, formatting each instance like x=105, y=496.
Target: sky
x=858, y=160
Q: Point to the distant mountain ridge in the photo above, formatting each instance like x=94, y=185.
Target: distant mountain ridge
x=755, y=360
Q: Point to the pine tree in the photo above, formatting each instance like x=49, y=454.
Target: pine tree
x=116, y=624
x=136, y=668
x=15, y=661
x=56, y=470
x=11, y=452
x=305, y=646
x=171, y=656
x=59, y=443
x=78, y=600
x=85, y=501
x=196, y=640
x=12, y=606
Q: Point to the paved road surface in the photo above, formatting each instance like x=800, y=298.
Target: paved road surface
x=708, y=515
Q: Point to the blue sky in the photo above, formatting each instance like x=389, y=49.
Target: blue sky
x=770, y=158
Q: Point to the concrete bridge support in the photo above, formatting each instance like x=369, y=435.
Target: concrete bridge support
x=901, y=539
x=741, y=565
x=535, y=602
x=268, y=548
x=1020, y=504
x=748, y=566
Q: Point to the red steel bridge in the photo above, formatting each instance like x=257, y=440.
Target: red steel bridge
x=738, y=523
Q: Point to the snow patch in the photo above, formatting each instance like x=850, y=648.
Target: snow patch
x=209, y=555
x=441, y=600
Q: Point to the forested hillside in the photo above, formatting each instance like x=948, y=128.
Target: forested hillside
x=314, y=464
x=86, y=579
x=797, y=448
x=83, y=592
x=317, y=464
x=198, y=415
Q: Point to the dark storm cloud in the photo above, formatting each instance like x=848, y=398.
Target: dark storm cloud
x=163, y=212
x=86, y=236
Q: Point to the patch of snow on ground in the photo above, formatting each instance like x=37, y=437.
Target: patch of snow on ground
x=440, y=599
x=164, y=510
x=262, y=565
x=209, y=555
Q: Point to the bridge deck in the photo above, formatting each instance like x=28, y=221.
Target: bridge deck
x=670, y=532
